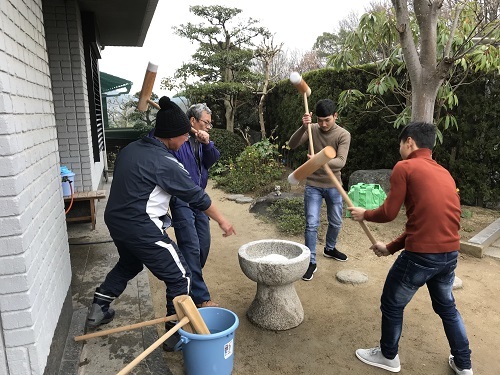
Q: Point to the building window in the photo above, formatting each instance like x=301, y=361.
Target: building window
x=92, y=55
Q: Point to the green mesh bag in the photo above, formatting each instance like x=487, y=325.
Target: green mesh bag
x=368, y=196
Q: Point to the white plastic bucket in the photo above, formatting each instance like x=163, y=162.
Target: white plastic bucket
x=68, y=178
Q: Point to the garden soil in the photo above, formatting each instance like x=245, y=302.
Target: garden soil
x=339, y=318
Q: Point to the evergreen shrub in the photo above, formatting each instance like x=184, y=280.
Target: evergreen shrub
x=255, y=170
x=471, y=153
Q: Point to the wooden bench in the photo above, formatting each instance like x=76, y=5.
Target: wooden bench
x=89, y=196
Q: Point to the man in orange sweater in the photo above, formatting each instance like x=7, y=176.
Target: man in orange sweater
x=430, y=246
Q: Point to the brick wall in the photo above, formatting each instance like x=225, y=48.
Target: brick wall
x=35, y=270
x=67, y=69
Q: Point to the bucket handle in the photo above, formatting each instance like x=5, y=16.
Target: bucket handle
x=178, y=347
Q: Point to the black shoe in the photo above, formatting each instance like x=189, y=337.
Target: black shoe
x=335, y=254
x=99, y=315
x=169, y=344
x=100, y=312
x=309, y=273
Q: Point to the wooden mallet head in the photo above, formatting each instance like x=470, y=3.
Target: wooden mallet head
x=312, y=165
x=184, y=306
x=299, y=83
x=147, y=88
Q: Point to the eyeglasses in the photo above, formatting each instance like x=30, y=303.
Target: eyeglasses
x=208, y=124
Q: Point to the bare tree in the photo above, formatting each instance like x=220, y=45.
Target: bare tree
x=427, y=70
x=422, y=52
x=265, y=54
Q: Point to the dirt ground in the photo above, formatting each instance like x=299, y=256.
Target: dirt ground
x=339, y=318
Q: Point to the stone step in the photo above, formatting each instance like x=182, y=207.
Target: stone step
x=493, y=250
x=486, y=242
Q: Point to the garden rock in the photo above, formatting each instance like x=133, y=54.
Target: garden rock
x=243, y=200
x=457, y=283
x=351, y=277
x=233, y=197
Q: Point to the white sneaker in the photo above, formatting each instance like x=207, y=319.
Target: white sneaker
x=374, y=357
x=458, y=371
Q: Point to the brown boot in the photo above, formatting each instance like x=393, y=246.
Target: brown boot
x=208, y=303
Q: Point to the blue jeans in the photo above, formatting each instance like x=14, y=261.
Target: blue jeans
x=409, y=272
x=192, y=234
x=313, y=198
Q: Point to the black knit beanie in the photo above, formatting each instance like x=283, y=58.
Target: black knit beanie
x=325, y=108
x=171, y=121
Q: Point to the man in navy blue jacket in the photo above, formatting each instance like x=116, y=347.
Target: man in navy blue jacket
x=145, y=178
x=191, y=225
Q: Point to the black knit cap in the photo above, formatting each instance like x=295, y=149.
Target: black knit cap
x=171, y=121
x=325, y=108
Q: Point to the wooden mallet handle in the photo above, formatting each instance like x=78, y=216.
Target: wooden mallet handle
x=153, y=346
x=153, y=103
x=304, y=89
x=342, y=192
x=126, y=328
x=309, y=134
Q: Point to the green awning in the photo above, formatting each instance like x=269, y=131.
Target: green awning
x=110, y=83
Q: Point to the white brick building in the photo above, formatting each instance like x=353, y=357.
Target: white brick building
x=50, y=116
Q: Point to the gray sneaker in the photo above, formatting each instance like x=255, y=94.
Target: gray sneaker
x=458, y=370
x=374, y=357
x=97, y=316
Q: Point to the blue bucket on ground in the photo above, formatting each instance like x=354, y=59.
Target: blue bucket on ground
x=67, y=178
x=211, y=354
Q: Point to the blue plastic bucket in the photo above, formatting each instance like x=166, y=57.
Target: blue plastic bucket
x=211, y=354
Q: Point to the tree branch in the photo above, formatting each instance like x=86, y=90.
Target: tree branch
x=447, y=49
x=485, y=37
x=407, y=43
x=426, y=13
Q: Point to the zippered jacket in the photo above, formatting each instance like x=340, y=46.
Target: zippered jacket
x=145, y=177
x=208, y=156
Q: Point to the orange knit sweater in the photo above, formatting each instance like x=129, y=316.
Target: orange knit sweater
x=432, y=205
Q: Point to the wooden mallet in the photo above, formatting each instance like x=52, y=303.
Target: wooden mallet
x=301, y=86
x=304, y=89
x=188, y=315
x=313, y=164
x=147, y=88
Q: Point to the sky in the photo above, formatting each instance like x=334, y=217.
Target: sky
x=297, y=28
